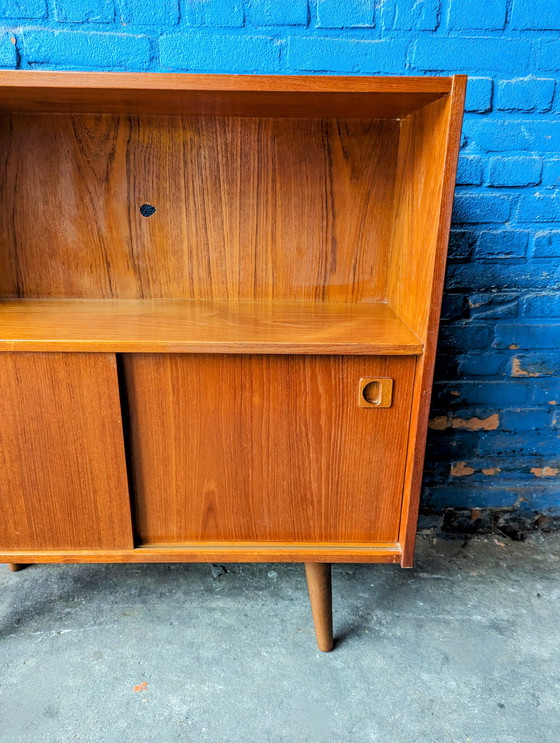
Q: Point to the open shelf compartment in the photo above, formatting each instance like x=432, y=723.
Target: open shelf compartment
x=219, y=213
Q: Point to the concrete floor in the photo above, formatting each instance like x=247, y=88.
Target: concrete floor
x=465, y=648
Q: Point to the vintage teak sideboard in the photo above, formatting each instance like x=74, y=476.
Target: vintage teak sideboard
x=219, y=308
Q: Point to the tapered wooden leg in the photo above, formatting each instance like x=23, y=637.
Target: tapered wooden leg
x=15, y=566
x=320, y=595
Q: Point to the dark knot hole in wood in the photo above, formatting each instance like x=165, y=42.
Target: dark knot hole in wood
x=146, y=210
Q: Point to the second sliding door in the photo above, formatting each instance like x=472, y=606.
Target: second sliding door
x=250, y=448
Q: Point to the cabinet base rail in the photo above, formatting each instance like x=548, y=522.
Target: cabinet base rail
x=390, y=552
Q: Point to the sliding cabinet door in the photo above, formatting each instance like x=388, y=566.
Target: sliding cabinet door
x=63, y=482
x=267, y=448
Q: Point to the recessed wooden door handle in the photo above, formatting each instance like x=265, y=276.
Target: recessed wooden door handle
x=376, y=392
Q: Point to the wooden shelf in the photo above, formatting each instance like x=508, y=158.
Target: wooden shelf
x=189, y=326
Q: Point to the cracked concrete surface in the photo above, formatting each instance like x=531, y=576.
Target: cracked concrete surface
x=461, y=649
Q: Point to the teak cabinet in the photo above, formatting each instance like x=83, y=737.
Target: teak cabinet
x=219, y=309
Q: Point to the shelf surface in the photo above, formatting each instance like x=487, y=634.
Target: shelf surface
x=189, y=326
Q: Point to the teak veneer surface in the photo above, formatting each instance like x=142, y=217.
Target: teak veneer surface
x=218, y=552
x=208, y=327
x=63, y=481
x=259, y=209
x=224, y=95
x=295, y=217
x=265, y=448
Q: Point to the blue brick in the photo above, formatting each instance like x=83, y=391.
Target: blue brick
x=464, y=15
x=465, y=336
x=345, y=55
x=347, y=14
x=23, y=8
x=219, y=53
x=496, y=395
x=485, y=364
x=275, y=13
x=539, y=208
x=81, y=49
x=488, y=305
x=453, y=306
x=536, y=364
x=525, y=94
x=163, y=12
x=210, y=13
x=525, y=420
x=551, y=173
x=479, y=94
x=517, y=444
x=545, y=304
x=546, y=244
x=480, y=208
x=469, y=170
x=475, y=54
x=445, y=496
x=502, y=277
x=499, y=135
x=546, y=392
x=410, y=15
x=80, y=11
x=527, y=335
x=548, y=58
x=461, y=244
x=535, y=15
x=8, y=54
x=502, y=244
x=514, y=171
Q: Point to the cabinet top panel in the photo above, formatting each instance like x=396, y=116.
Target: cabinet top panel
x=227, y=95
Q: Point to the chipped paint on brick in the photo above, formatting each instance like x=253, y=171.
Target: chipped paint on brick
x=533, y=369
x=461, y=469
x=513, y=347
x=477, y=424
x=491, y=471
x=443, y=422
x=545, y=471
x=439, y=423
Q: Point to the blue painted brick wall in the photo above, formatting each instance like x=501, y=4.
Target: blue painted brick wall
x=495, y=423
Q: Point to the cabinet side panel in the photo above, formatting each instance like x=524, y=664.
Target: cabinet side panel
x=264, y=449
x=63, y=482
x=233, y=208
x=428, y=153
x=418, y=194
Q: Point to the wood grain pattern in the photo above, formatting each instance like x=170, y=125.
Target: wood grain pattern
x=63, y=482
x=260, y=209
x=295, y=216
x=224, y=95
x=430, y=325
x=210, y=327
x=320, y=596
x=218, y=552
x=418, y=192
x=261, y=448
